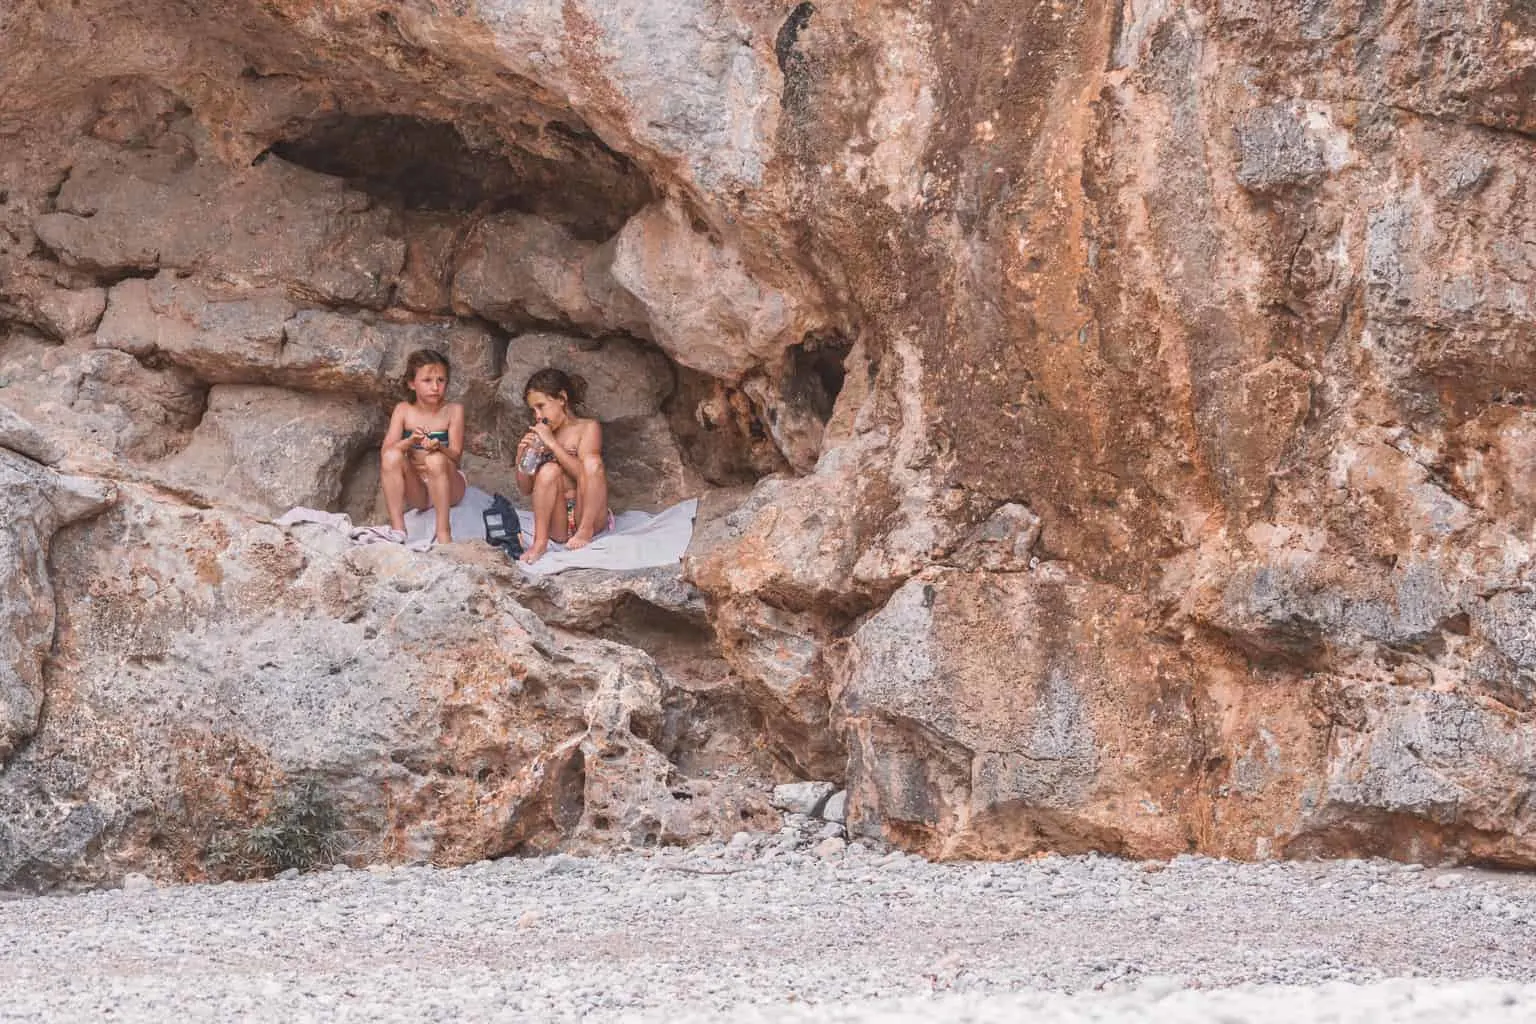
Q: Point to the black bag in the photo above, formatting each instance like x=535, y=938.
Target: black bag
x=502, y=528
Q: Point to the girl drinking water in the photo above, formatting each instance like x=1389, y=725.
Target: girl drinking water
x=560, y=462
x=422, y=447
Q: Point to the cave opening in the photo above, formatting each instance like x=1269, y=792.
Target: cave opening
x=565, y=174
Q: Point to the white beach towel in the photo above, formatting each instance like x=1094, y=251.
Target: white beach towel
x=638, y=540
x=466, y=519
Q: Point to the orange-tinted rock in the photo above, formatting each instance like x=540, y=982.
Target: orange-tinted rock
x=1183, y=351
x=1000, y=716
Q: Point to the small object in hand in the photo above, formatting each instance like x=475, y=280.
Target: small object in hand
x=534, y=455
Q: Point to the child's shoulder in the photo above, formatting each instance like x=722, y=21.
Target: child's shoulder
x=402, y=407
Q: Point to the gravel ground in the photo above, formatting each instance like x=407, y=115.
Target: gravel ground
x=768, y=929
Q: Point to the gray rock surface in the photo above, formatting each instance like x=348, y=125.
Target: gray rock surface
x=76, y=401
x=268, y=450
x=234, y=337
x=802, y=797
x=37, y=501
x=705, y=309
x=624, y=379
x=520, y=271
x=228, y=677
x=272, y=223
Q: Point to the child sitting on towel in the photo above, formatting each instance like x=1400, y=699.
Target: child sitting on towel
x=560, y=462
x=423, y=445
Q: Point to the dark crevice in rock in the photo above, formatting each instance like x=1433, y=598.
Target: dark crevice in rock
x=420, y=164
x=683, y=645
x=795, y=99
x=51, y=197
x=570, y=793
x=50, y=666
x=108, y=277
x=720, y=431
x=359, y=491
x=789, y=35
x=815, y=374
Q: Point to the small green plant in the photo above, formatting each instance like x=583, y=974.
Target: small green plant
x=301, y=830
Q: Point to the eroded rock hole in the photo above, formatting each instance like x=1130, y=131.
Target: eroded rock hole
x=570, y=793
x=569, y=177
x=816, y=373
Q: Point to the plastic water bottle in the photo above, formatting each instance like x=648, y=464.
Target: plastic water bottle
x=533, y=456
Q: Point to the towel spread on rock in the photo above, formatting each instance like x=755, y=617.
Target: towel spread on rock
x=358, y=534
x=638, y=540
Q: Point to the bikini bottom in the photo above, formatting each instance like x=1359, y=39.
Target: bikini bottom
x=570, y=516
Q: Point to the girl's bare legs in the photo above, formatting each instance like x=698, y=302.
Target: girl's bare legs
x=393, y=473
x=548, y=513
x=591, y=501
x=444, y=488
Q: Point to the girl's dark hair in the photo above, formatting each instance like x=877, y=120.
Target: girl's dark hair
x=553, y=383
x=415, y=361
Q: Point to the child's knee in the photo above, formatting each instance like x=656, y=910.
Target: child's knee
x=592, y=465
x=393, y=460
x=548, y=475
x=438, y=465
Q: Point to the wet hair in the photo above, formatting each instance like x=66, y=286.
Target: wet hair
x=415, y=361
x=553, y=382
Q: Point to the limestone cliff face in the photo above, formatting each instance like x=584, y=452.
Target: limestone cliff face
x=1113, y=420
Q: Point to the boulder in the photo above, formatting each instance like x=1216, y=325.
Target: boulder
x=269, y=449
x=625, y=379
x=38, y=503
x=25, y=438
x=997, y=715
x=334, y=352
x=802, y=797
x=30, y=295
x=126, y=209
x=225, y=337
x=237, y=337
x=1451, y=772
x=426, y=279
x=520, y=270
x=78, y=401
x=704, y=307
x=645, y=468
x=223, y=671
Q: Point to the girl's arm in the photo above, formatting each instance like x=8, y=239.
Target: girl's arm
x=524, y=480
x=591, y=443
x=455, y=449
x=393, y=441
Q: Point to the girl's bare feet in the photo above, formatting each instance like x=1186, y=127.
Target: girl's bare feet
x=534, y=553
x=579, y=539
